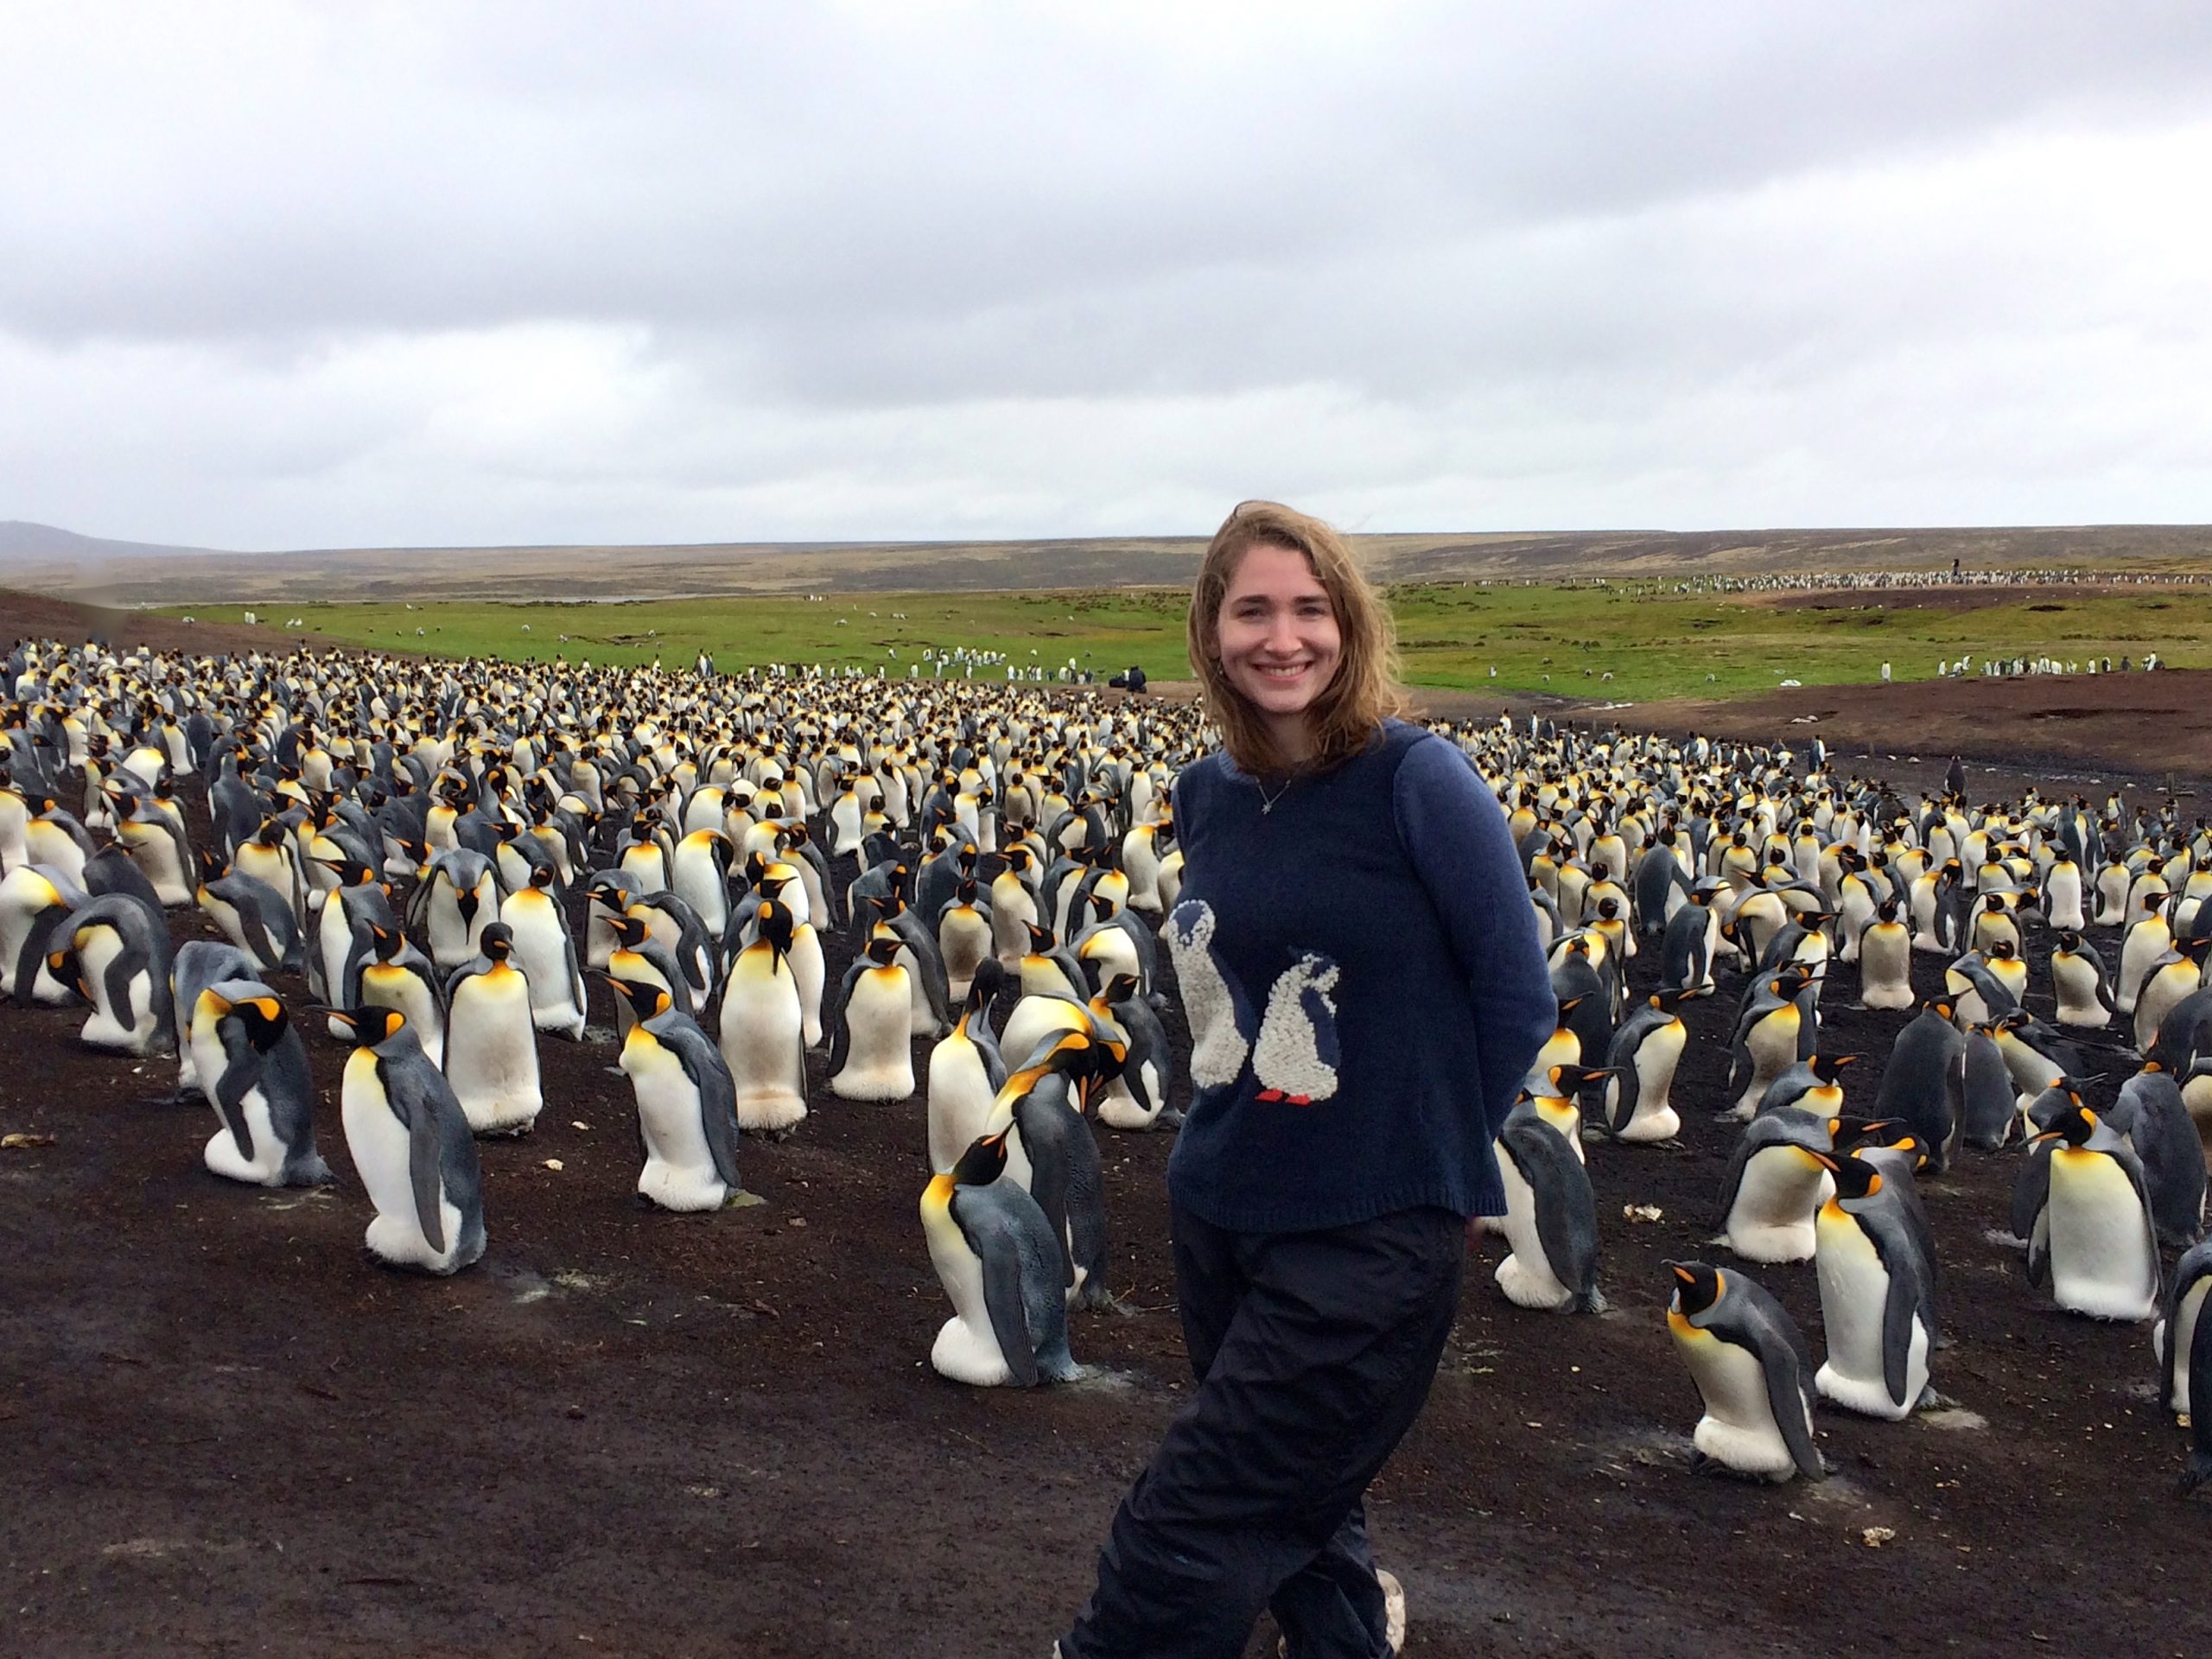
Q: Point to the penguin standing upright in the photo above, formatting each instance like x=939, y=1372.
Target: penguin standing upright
x=994, y=1251
x=2078, y=976
x=966, y=1073
x=1752, y=1369
x=2150, y=1113
x=1776, y=1029
x=1550, y=1221
x=491, y=1040
x=1924, y=1083
x=2175, y=1339
x=397, y=976
x=1878, y=1296
x=1646, y=1048
x=686, y=1105
x=2091, y=1237
x=762, y=1035
x=545, y=953
x=411, y=1147
x=263, y=1093
x=1886, y=960
x=871, y=1030
x=1044, y=1102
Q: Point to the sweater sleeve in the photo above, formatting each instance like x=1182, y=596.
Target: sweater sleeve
x=1455, y=834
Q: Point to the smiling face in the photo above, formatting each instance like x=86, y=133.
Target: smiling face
x=1280, y=645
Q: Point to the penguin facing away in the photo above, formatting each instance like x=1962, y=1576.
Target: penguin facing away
x=1752, y=1369
x=2174, y=1339
x=996, y=1255
x=411, y=1147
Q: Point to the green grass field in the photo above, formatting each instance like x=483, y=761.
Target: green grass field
x=1564, y=639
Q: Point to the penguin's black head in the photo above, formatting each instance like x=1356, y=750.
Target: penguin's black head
x=883, y=949
x=965, y=892
x=989, y=977
x=263, y=1019
x=1828, y=1067
x=628, y=929
x=1120, y=989
x=385, y=942
x=369, y=1025
x=542, y=876
x=2074, y=1126
x=1671, y=1001
x=775, y=921
x=647, y=1002
x=1041, y=939
x=1697, y=1287
x=983, y=1162
x=497, y=941
x=1853, y=1180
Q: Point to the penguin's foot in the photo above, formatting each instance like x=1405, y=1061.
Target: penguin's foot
x=1931, y=1401
x=2199, y=1471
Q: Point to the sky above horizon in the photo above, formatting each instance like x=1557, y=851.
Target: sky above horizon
x=287, y=276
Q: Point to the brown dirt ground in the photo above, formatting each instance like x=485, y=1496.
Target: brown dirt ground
x=226, y=1432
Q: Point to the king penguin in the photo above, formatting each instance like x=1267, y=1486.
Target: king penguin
x=2092, y=1238
x=545, y=952
x=763, y=1027
x=1551, y=1219
x=871, y=1030
x=1878, y=1296
x=1752, y=1369
x=119, y=953
x=686, y=1105
x=263, y=1093
x=1646, y=1048
x=491, y=1052
x=2174, y=1340
x=966, y=1073
x=996, y=1255
x=411, y=1147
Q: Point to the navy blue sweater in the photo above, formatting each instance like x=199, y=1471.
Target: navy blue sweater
x=1364, y=984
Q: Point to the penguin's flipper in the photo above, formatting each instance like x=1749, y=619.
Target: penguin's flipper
x=230, y=1091
x=2127, y=1160
x=2200, y=1403
x=32, y=957
x=709, y=1074
x=1779, y=1343
x=2195, y=1264
x=2030, y=1193
x=1566, y=1209
x=999, y=1250
x=422, y=1159
x=841, y=1036
x=1907, y=1294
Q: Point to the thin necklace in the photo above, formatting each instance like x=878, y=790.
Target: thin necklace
x=1267, y=801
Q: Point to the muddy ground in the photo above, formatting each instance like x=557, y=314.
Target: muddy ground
x=224, y=1431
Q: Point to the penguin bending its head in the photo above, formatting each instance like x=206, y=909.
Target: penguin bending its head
x=1752, y=1369
x=996, y=1257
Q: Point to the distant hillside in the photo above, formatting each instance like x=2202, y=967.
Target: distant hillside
x=27, y=547
x=123, y=573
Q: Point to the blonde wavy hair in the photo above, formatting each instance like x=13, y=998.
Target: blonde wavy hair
x=1366, y=691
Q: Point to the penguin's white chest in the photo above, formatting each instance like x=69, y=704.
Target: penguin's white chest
x=2178, y=1337
x=1854, y=1297
x=1738, y=1427
x=490, y=1056
x=960, y=1100
x=2102, y=1261
x=382, y=1152
x=879, y=1029
x=679, y=1171
x=1776, y=1198
x=966, y=1349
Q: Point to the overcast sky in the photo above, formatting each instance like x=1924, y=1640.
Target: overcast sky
x=346, y=275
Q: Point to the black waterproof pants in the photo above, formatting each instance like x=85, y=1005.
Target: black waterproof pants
x=1314, y=1352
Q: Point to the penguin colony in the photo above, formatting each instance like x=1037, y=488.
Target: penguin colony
x=433, y=870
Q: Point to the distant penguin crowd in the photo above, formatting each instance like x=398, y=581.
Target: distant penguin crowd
x=967, y=894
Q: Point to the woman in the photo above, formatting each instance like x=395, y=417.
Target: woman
x=1360, y=964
